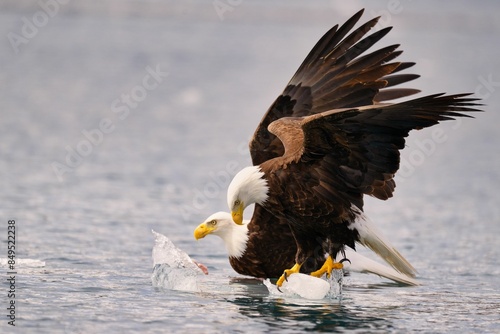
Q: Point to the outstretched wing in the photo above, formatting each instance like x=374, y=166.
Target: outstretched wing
x=335, y=74
x=346, y=153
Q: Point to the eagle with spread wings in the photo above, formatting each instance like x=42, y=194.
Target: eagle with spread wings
x=327, y=141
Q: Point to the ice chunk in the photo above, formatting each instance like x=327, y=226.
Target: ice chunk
x=302, y=285
x=165, y=252
x=172, y=267
x=181, y=279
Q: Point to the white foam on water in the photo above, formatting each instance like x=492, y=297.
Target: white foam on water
x=173, y=268
x=23, y=263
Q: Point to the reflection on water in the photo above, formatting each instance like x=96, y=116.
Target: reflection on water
x=307, y=316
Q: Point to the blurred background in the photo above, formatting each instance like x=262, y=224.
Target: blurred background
x=120, y=116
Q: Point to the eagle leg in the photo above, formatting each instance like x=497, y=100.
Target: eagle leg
x=327, y=267
x=295, y=269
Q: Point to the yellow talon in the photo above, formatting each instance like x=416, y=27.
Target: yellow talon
x=327, y=268
x=295, y=269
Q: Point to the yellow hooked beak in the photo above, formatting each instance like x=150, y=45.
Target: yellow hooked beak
x=202, y=231
x=237, y=213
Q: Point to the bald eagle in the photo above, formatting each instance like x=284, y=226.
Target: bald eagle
x=329, y=139
x=261, y=248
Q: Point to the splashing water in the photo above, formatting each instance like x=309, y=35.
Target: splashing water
x=336, y=281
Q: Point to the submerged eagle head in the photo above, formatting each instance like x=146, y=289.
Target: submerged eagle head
x=247, y=187
x=221, y=224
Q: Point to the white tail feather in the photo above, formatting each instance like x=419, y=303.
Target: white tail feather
x=370, y=237
x=362, y=264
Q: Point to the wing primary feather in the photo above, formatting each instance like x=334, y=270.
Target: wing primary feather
x=403, y=66
x=353, y=37
x=393, y=94
x=397, y=79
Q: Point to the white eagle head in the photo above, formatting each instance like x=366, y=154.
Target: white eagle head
x=247, y=187
x=221, y=224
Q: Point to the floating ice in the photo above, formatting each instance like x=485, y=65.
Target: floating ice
x=23, y=263
x=300, y=285
x=172, y=268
